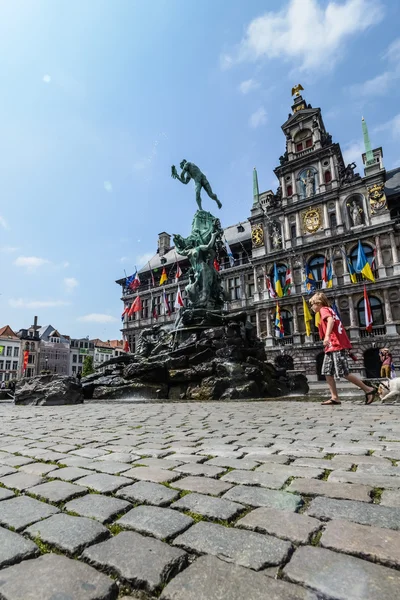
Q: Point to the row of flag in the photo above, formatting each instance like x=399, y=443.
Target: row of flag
x=137, y=305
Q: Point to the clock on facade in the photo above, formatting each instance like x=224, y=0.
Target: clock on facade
x=257, y=235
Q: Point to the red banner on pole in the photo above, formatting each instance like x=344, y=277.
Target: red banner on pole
x=26, y=355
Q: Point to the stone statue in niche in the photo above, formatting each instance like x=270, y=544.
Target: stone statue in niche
x=276, y=237
x=308, y=183
x=356, y=213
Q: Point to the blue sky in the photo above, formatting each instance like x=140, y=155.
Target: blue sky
x=100, y=98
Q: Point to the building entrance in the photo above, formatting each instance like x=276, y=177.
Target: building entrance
x=372, y=362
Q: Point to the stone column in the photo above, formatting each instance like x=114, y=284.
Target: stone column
x=296, y=334
x=391, y=328
x=338, y=212
x=294, y=186
x=395, y=255
x=353, y=330
x=333, y=172
x=379, y=259
x=326, y=218
x=258, y=323
x=299, y=233
x=288, y=241
x=321, y=178
x=269, y=341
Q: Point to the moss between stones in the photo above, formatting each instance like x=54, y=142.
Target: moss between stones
x=329, y=456
x=316, y=538
x=370, y=452
x=114, y=528
x=376, y=495
x=353, y=468
x=326, y=474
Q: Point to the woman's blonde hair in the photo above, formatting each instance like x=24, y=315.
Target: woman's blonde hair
x=319, y=297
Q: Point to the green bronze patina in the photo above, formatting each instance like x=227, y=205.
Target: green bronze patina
x=192, y=171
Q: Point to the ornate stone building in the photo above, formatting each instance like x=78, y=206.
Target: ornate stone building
x=320, y=212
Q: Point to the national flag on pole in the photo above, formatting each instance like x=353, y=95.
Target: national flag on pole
x=129, y=280
x=229, y=253
x=307, y=317
x=154, y=313
x=324, y=276
x=330, y=276
x=216, y=265
x=373, y=262
x=125, y=312
x=277, y=282
x=362, y=265
x=368, y=312
x=288, y=282
x=166, y=304
x=136, y=281
x=271, y=291
x=279, y=330
x=136, y=306
x=178, y=300
x=126, y=346
x=153, y=283
x=164, y=276
x=26, y=358
x=309, y=281
x=335, y=310
x=352, y=273
x=178, y=272
x=317, y=319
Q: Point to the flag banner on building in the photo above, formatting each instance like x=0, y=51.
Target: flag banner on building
x=178, y=273
x=288, y=282
x=126, y=311
x=216, y=264
x=309, y=281
x=178, y=300
x=271, y=291
x=164, y=276
x=368, y=312
x=279, y=330
x=166, y=304
x=373, y=262
x=136, y=306
x=277, y=282
x=126, y=346
x=335, y=310
x=362, y=265
x=129, y=280
x=26, y=358
x=307, y=317
x=352, y=273
x=317, y=319
x=154, y=313
x=2, y=350
x=230, y=254
x=136, y=281
x=326, y=275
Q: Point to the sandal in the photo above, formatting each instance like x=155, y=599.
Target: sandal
x=330, y=402
x=373, y=394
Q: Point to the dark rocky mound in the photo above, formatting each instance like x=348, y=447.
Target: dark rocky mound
x=48, y=390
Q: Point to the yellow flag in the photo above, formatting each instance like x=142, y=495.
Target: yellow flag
x=317, y=319
x=307, y=317
x=163, y=276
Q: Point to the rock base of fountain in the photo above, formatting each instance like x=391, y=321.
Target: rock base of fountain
x=48, y=390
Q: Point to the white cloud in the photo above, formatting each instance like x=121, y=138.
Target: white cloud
x=305, y=31
x=108, y=186
x=124, y=259
x=377, y=86
x=65, y=264
x=97, y=318
x=21, y=303
x=46, y=78
x=8, y=249
x=3, y=223
x=249, y=86
x=352, y=153
x=143, y=259
x=30, y=262
x=258, y=118
x=393, y=51
x=393, y=125
x=70, y=283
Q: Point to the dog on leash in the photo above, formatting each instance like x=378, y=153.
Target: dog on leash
x=389, y=391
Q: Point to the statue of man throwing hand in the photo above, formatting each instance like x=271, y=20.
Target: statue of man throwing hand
x=191, y=171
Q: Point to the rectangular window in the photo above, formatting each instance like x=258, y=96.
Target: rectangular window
x=74, y=358
x=31, y=359
x=16, y=352
x=15, y=365
x=234, y=288
x=309, y=143
x=1, y=365
x=80, y=359
x=293, y=232
x=9, y=351
x=145, y=309
x=299, y=147
x=332, y=221
x=73, y=370
x=8, y=365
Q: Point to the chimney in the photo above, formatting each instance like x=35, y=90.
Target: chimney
x=164, y=243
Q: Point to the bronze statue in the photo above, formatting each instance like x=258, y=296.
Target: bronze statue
x=191, y=171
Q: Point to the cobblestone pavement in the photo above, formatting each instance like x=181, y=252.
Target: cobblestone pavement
x=232, y=501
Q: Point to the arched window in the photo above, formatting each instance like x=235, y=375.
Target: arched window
x=332, y=221
x=281, y=268
x=289, y=191
x=293, y=233
x=327, y=177
x=303, y=140
x=369, y=254
x=287, y=320
x=376, y=309
x=32, y=346
x=316, y=265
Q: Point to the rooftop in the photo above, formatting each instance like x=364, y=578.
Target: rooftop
x=392, y=184
x=7, y=332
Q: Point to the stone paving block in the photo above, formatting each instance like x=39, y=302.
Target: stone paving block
x=15, y=461
x=54, y=577
x=57, y=491
x=290, y=471
x=78, y=461
x=89, y=452
x=21, y=511
x=342, y=577
x=372, y=543
x=387, y=470
x=263, y=497
x=371, y=479
x=318, y=463
x=152, y=452
x=342, y=460
x=141, y=561
x=20, y=481
x=161, y=463
x=358, y=512
x=185, y=458
x=70, y=473
x=200, y=470
x=209, y=578
x=388, y=498
x=233, y=463
x=162, y=523
x=203, y=485
x=103, y=483
x=70, y=534
x=208, y=506
x=110, y=467
x=269, y=480
x=148, y=493
x=153, y=474
x=121, y=457
x=245, y=548
x=14, y=548
x=315, y=487
x=284, y=524
x=6, y=494
x=5, y=470
x=38, y=468
x=96, y=506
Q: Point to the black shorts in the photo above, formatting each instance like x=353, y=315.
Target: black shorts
x=335, y=363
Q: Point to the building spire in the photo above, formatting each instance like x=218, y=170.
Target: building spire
x=369, y=157
x=256, y=193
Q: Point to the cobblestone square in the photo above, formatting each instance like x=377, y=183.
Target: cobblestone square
x=240, y=500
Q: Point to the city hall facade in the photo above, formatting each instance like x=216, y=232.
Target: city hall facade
x=319, y=213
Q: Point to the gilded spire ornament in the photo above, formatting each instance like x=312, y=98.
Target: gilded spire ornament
x=296, y=90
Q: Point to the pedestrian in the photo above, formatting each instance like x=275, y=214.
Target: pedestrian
x=3, y=385
x=386, y=360
x=336, y=347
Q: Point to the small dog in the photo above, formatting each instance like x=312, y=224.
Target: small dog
x=389, y=391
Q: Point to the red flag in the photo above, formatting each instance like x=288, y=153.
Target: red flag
x=324, y=276
x=216, y=264
x=126, y=346
x=136, y=282
x=154, y=308
x=26, y=356
x=136, y=306
x=368, y=312
x=167, y=307
x=178, y=272
x=178, y=300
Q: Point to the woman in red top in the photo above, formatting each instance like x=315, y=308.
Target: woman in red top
x=336, y=346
